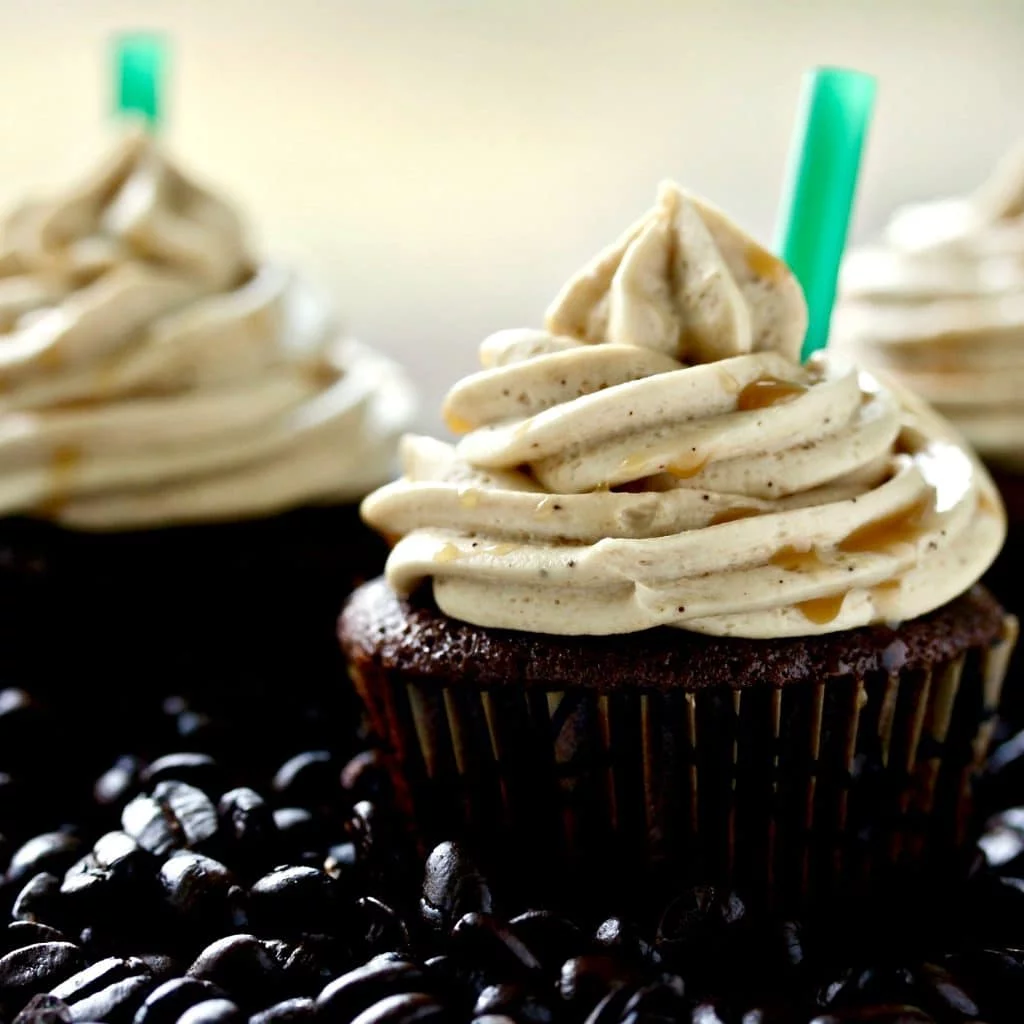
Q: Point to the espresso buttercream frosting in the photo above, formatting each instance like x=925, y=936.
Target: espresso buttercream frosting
x=154, y=372
x=938, y=302
x=658, y=456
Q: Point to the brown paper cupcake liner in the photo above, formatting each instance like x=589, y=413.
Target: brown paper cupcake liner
x=785, y=789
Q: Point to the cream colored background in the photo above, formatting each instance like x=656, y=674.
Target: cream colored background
x=442, y=166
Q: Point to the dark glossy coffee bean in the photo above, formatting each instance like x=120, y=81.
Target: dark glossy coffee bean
x=36, y=968
x=624, y=939
x=551, y=938
x=156, y=965
x=309, y=779
x=166, y=1003
x=298, y=829
x=410, y=1008
x=248, y=824
x=119, y=854
x=307, y=966
x=707, y=1013
x=27, y=933
x=52, y=852
x=212, y=1011
x=152, y=825
x=585, y=980
x=458, y=982
x=994, y=976
x=198, y=770
x=289, y=1011
x=39, y=900
x=493, y=1018
x=609, y=1009
x=352, y=993
x=241, y=967
x=942, y=995
x=191, y=807
x=887, y=1013
x=197, y=888
x=661, y=1000
x=292, y=900
x=452, y=887
x=377, y=926
x=514, y=1001
x=119, y=783
x=341, y=858
x=117, y=1003
x=484, y=940
x=44, y=1009
x=91, y=979
x=366, y=777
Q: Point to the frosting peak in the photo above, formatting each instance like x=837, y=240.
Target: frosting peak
x=614, y=476
x=685, y=281
x=153, y=371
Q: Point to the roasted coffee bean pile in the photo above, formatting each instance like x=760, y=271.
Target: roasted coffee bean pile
x=183, y=868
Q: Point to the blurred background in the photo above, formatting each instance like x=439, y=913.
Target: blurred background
x=441, y=167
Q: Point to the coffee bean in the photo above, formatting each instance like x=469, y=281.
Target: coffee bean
x=298, y=829
x=552, y=939
x=356, y=991
x=452, y=887
x=661, y=1000
x=119, y=783
x=484, y=940
x=93, y=978
x=197, y=888
x=27, y=933
x=52, y=852
x=36, y=968
x=707, y=1013
x=44, y=1009
x=39, y=900
x=116, y=1003
x=212, y=1011
x=409, y=1008
x=165, y=1004
x=198, y=770
x=378, y=926
x=609, y=1008
x=248, y=825
x=307, y=966
x=152, y=825
x=290, y=1011
x=366, y=777
x=240, y=966
x=191, y=807
x=513, y=1001
x=623, y=939
x=310, y=779
x=292, y=900
x=585, y=980
x=494, y=1018
x=879, y=1014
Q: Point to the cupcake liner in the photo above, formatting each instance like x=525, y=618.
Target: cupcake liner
x=784, y=790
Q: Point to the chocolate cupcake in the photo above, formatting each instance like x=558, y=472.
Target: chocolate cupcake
x=185, y=434
x=938, y=304
x=675, y=600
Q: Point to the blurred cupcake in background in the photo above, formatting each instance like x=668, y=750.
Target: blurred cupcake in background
x=185, y=433
x=675, y=599
x=938, y=304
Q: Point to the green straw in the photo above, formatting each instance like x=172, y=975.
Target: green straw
x=821, y=179
x=140, y=59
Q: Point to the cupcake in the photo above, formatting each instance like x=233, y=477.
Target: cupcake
x=938, y=304
x=676, y=601
x=185, y=435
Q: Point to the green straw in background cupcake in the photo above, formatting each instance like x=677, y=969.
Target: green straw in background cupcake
x=185, y=434
x=676, y=599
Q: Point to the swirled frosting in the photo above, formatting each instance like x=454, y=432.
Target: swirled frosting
x=658, y=456
x=939, y=303
x=152, y=372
